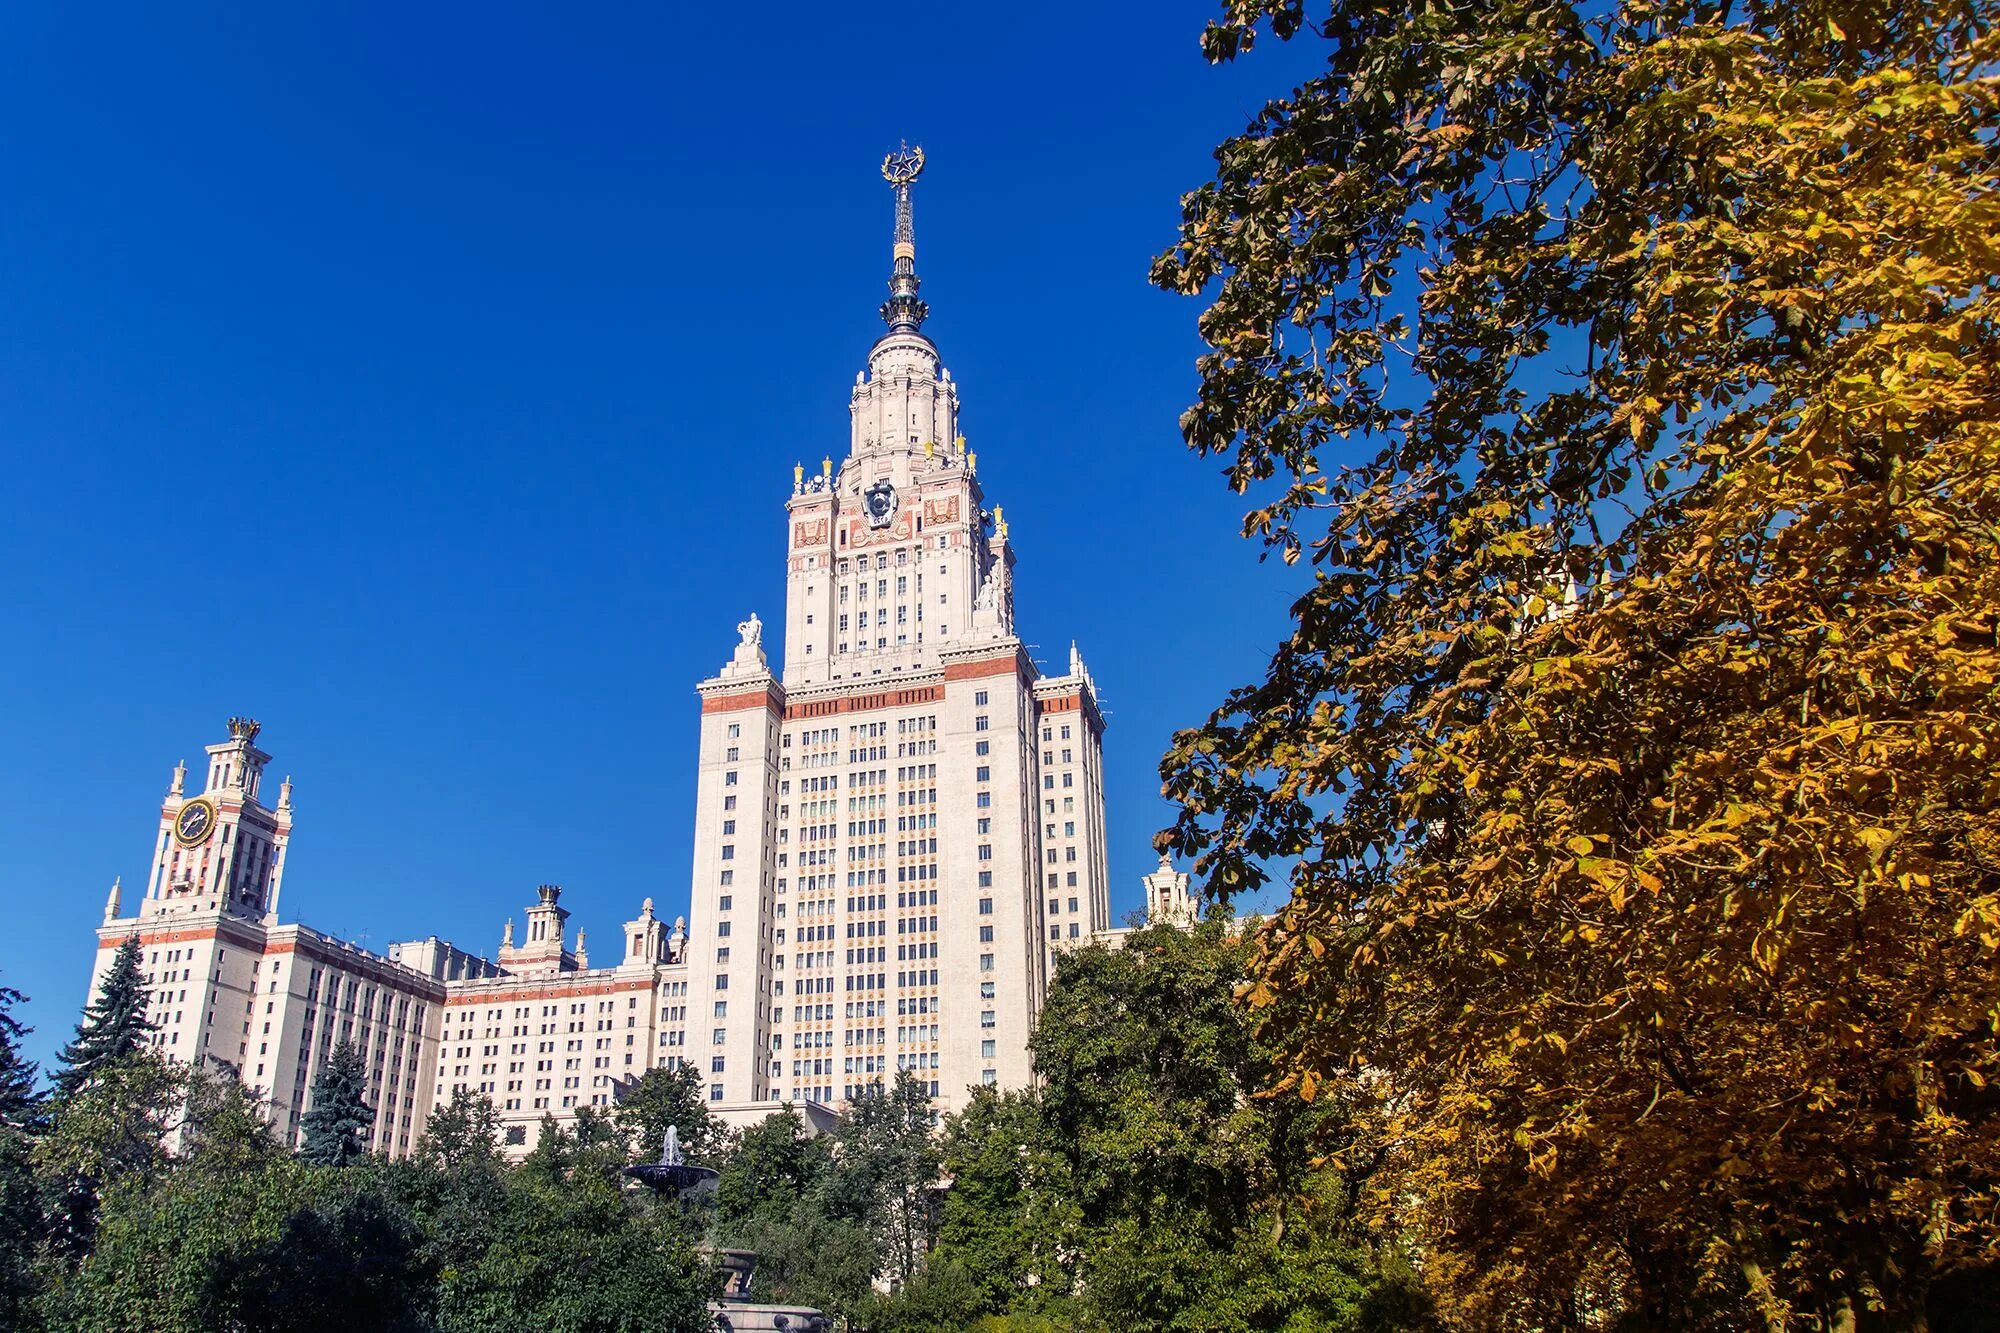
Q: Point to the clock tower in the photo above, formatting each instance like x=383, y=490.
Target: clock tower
x=222, y=849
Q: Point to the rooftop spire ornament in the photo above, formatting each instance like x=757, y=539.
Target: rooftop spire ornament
x=904, y=311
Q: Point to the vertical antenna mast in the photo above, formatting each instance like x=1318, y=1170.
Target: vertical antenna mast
x=904, y=311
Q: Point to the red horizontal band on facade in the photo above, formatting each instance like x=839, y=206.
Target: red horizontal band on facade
x=544, y=991
x=736, y=703
x=151, y=937
x=988, y=666
x=864, y=703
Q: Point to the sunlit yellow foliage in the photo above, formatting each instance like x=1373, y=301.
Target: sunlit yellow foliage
x=1638, y=743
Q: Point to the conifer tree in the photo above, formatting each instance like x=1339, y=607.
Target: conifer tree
x=20, y=1116
x=20, y=1104
x=337, y=1122
x=114, y=1024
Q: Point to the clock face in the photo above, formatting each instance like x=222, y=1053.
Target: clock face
x=194, y=823
x=879, y=501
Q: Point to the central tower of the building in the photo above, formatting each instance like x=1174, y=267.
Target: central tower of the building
x=891, y=838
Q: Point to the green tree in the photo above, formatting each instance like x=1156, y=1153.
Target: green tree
x=462, y=1136
x=884, y=1174
x=335, y=1126
x=1007, y=1210
x=1630, y=377
x=283, y=1248
x=943, y=1298
x=569, y=1254
x=662, y=1097
x=20, y=1102
x=110, y=1133
x=455, y=1182
x=1145, y=1184
x=771, y=1165
x=21, y=1117
x=805, y=1257
x=222, y=1127
x=114, y=1023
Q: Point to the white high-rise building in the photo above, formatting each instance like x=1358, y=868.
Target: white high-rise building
x=895, y=831
x=894, y=835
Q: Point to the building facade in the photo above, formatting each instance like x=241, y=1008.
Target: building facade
x=896, y=830
x=896, y=827
x=538, y=1031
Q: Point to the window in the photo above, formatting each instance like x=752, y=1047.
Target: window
x=986, y=1050
x=729, y=778
x=986, y=934
x=735, y=730
x=983, y=774
x=985, y=990
x=979, y=699
x=985, y=908
x=723, y=904
x=985, y=879
x=985, y=963
x=715, y=1089
x=979, y=723
x=986, y=826
x=982, y=747
x=984, y=800
x=986, y=851
x=722, y=929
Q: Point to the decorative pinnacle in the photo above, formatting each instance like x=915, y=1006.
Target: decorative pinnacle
x=904, y=311
x=243, y=728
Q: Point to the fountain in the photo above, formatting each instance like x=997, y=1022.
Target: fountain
x=674, y=1177
x=673, y=1173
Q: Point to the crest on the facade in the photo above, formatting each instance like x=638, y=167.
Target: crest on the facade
x=879, y=501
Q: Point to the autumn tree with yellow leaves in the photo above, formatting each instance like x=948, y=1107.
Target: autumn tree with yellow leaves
x=1628, y=376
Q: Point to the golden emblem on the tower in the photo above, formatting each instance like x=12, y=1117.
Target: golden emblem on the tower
x=903, y=166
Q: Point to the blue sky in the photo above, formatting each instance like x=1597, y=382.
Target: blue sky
x=427, y=382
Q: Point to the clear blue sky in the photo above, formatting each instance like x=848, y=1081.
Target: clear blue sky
x=427, y=384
